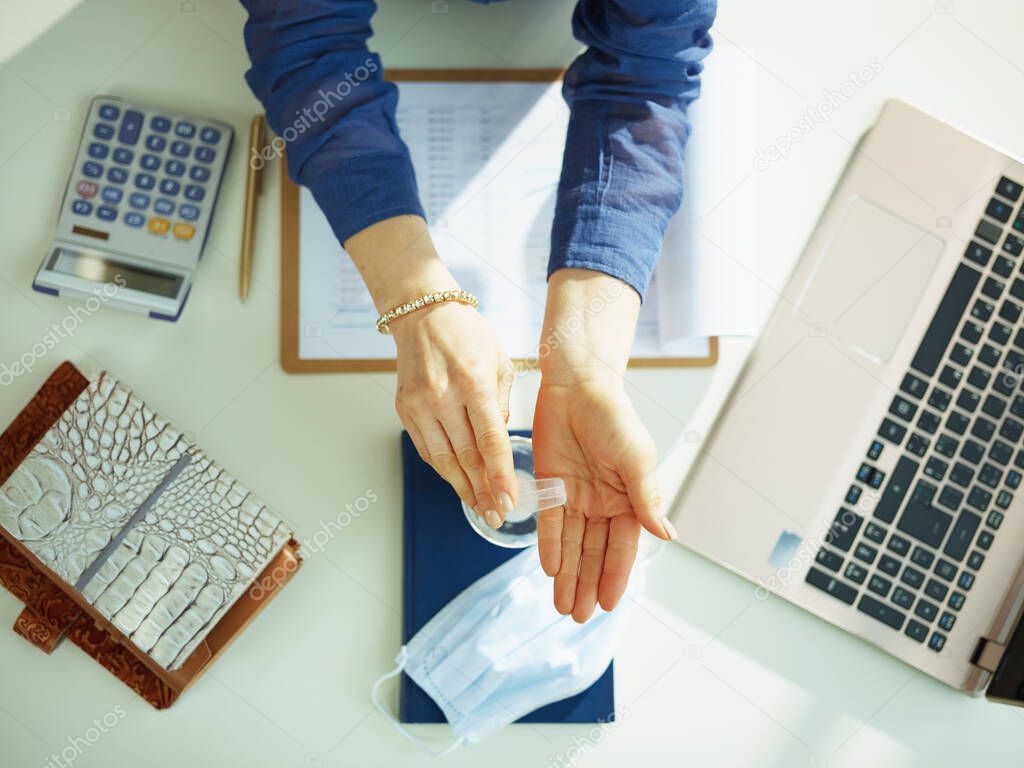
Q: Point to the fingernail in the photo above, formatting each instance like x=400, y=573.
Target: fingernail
x=492, y=519
x=670, y=529
x=505, y=504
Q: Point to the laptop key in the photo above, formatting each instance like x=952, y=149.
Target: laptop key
x=855, y=573
x=828, y=559
x=1011, y=429
x=956, y=600
x=968, y=400
x=1009, y=311
x=865, y=552
x=914, y=386
x=926, y=610
x=985, y=539
x=945, y=569
x=922, y=557
x=979, y=377
x=979, y=498
x=988, y=232
x=947, y=317
x=876, y=609
x=844, y=529
x=899, y=545
x=957, y=423
x=902, y=408
x=918, y=444
x=902, y=597
x=937, y=642
x=993, y=406
x=1013, y=244
x=998, y=210
x=928, y=421
x=833, y=586
x=966, y=581
x=951, y=498
x=925, y=523
x=1003, y=499
x=939, y=399
x=1017, y=288
x=936, y=468
x=971, y=331
x=989, y=355
x=976, y=560
x=946, y=445
x=982, y=310
x=912, y=577
x=936, y=590
x=993, y=288
x=961, y=475
x=972, y=451
x=896, y=489
x=879, y=585
x=889, y=565
x=947, y=620
x=1002, y=266
x=1000, y=453
x=892, y=431
x=990, y=475
x=1008, y=188
x=994, y=520
x=924, y=492
x=962, y=536
x=916, y=631
x=951, y=376
x=875, y=532
x=983, y=429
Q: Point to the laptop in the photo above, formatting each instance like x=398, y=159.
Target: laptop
x=867, y=464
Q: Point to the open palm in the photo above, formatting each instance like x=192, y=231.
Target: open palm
x=589, y=435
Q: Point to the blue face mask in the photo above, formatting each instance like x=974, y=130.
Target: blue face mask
x=499, y=650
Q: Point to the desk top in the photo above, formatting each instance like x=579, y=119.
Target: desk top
x=708, y=674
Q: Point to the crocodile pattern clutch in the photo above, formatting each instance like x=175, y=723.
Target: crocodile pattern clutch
x=157, y=538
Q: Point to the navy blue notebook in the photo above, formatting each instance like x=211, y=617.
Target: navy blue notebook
x=442, y=555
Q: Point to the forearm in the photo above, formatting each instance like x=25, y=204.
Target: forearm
x=398, y=262
x=589, y=324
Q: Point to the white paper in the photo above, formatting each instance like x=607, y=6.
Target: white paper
x=487, y=159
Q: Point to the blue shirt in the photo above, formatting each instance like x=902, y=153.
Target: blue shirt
x=325, y=96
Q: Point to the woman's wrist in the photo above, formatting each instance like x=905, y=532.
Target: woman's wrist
x=589, y=325
x=397, y=261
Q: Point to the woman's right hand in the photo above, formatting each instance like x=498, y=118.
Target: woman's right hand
x=453, y=377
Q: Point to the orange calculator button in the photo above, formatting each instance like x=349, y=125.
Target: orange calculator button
x=158, y=225
x=184, y=231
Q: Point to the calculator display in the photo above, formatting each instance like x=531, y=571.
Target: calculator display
x=98, y=269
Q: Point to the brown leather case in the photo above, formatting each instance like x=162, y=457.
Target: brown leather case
x=54, y=609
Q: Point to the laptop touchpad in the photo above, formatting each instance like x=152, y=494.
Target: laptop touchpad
x=867, y=281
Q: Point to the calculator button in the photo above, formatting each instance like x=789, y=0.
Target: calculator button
x=138, y=200
x=81, y=207
x=92, y=170
x=123, y=156
x=184, y=231
x=179, y=148
x=86, y=189
x=199, y=173
x=160, y=124
x=189, y=212
x=163, y=206
x=144, y=181
x=133, y=219
x=112, y=194
x=169, y=186
x=103, y=131
x=150, y=162
x=131, y=127
x=106, y=213
x=109, y=112
x=117, y=175
x=185, y=130
x=99, y=151
x=159, y=225
x=156, y=143
x=174, y=168
x=210, y=135
x=193, y=192
x=205, y=154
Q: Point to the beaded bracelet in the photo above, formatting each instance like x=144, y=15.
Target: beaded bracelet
x=462, y=297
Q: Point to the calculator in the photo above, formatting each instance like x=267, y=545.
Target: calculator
x=137, y=208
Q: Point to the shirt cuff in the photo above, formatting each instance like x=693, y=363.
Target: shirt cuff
x=365, y=190
x=606, y=240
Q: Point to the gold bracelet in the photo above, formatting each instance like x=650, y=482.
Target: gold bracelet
x=462, y=297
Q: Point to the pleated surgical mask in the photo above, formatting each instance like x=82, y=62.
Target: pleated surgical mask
x=499, y=650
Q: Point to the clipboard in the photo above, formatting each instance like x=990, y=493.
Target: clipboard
x=291, y=255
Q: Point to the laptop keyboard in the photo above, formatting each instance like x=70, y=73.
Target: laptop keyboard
x=957, y=423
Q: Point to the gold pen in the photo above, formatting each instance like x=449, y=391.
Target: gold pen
x=253, y=186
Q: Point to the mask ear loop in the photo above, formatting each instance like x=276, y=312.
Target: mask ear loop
x=400, y=662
